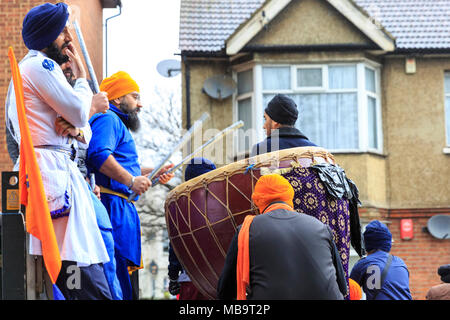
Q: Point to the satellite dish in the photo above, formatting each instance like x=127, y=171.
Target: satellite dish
x=219, y=87
x=169, y=68
x=439, y=226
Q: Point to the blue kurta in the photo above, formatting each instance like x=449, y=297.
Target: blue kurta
x=112, y=137
x=105, y=227
x=396, y=284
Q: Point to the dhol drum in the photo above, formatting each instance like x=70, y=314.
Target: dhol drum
x=202, y=214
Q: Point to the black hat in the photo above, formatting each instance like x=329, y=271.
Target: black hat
x=444, y=272
x=282, y=109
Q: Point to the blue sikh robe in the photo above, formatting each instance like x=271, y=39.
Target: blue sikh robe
x=112, y=137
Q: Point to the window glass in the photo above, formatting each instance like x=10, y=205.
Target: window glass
x=370, y=80
x=342, y=77
x=372, y=125
x=245, y=81
x=309, y=77
x=447, y=82
x=244, y=114
x=447, y=119
x=447, y=106
x=276, y=78
x=329, y=120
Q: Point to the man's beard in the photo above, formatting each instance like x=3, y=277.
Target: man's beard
x=133, y=123
x=55, y=53
x=69, y=76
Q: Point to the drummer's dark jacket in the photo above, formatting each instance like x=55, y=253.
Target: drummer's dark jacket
x=292, y=256
x=282, y=138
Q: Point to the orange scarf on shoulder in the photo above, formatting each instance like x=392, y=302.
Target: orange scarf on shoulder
x=243, y=256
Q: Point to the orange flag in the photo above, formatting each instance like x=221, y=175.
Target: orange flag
x=31, y=188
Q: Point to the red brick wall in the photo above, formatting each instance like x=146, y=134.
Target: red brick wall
x=91, y=25
x=12, y=13
x=423, y=255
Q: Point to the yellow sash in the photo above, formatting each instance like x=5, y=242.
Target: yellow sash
x=131, y=269
x=109, y=191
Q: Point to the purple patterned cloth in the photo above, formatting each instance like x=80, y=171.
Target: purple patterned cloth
x=312, y=199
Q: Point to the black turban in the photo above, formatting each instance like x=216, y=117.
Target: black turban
x=282, y=109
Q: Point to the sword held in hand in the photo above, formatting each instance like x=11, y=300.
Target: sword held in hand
x=188, y=158
x=185, y=139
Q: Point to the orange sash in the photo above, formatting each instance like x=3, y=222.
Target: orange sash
x=243, y=256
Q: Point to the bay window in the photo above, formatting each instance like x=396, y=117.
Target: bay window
x=339, y=104
x=447, y=107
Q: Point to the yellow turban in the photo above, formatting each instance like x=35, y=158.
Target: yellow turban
x=270, y=188
x=118, y=85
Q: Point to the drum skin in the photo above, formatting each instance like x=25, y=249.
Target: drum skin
x=202, y=214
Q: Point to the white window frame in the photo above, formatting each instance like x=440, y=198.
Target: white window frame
x=377, y=96
x=360, y=90
x=294, y=80
x=446, y=95
x=257, y=81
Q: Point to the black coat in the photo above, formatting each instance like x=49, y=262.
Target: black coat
x=292, y=256
x=288, y=137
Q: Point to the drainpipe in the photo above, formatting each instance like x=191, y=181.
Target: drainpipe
x=106, y=35
x=187, y=78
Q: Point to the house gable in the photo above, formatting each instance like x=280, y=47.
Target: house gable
x=309, y=23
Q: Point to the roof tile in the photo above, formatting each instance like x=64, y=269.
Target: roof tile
x=205, y=25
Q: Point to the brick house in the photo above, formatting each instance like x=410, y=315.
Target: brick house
x=12, y=13
x=372, y=83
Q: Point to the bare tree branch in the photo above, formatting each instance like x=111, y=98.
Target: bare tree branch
x=161, y=131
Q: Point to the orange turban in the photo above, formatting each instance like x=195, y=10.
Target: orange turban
x=118, y=85
x=355, y=290
x=270, y=188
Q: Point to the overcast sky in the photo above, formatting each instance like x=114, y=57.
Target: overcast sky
x=144, y=34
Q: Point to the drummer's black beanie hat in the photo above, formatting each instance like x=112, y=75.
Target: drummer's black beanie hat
x=282, y=109
x=444, y=272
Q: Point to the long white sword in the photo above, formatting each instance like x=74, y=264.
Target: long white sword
x=185, y=139
x=188, y=158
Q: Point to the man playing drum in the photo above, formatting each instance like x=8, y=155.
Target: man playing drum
x=279, y=124
x=312, y=185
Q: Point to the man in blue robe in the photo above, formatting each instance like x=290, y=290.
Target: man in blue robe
x=113, y=158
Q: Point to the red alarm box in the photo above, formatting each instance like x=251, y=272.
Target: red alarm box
x=406, y=229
